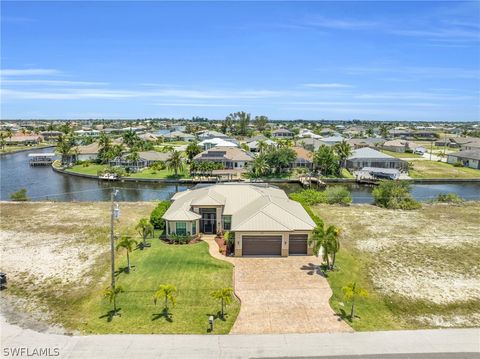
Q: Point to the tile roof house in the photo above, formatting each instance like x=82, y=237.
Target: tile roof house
x=230, y=157
x=265, y=221
x=282, y=133
x=368, y=157
x=304, y=158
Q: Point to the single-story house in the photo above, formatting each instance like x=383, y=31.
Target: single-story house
x=306, y=133
x=413, y=134
x=150, y=137
x=371, y=142
x=254, y=145
x=368, y=157
x=469, y=158
x=304, y=158
x=208, y=134
x=230, y=157
x=26, y=140
x=87, y=152
x=145, y=159
x=332, y=140
x=214, y=142
x=399, y=146
x=51, y=135
x=262, y=217
x=178, y=136
x=311, y=144
x=282, y=133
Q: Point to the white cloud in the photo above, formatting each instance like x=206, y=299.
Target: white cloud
x=52, y=82
x=327, y=85
x=28, y=72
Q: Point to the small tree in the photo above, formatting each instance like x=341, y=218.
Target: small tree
x=224, y=295
x=112, y=294
x=394, y=195
x=326, y=239
x=145, y=229
x=156, y=215
x=20, y=195
x=128, y=244
x=351, y=293
x=168, y=293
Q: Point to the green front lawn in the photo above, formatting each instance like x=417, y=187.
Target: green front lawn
x=401, y=154
x=90, y=169
x=160, y=174
x=189, y=267
x=15, y=148
x=435, y=169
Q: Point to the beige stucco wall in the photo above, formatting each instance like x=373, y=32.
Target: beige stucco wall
x=285, y=242
x=172, y=226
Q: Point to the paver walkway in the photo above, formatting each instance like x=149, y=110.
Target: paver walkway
x=280, y=295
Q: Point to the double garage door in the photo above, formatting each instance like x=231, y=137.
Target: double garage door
x=272, y=245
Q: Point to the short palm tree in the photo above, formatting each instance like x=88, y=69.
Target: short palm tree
x=166, y=292
x=144, y=228
x=326, y=240
x=260, y=166
x=224, y=295
x=128, y=244
x=192, y=150
x=343, y=150
x=175, y=162
x=351, y=292
x=112, y=294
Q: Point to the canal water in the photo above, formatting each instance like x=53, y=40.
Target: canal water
x=43, y=184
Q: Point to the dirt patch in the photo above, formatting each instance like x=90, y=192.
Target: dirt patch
x=430, y=254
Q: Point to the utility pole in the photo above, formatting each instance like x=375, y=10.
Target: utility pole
x=114, y=214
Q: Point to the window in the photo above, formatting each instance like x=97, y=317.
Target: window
x=227, y=223
x=194, y=227
x=181, y=229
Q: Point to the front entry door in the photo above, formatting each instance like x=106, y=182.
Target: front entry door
x=209, y=220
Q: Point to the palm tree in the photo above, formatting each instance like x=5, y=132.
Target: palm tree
x=262, y=145
x=105, y=145
x=383, y=131
x=167, y=292
x=225, y=297
x=128, y=244
x=144, y=228
x=260, y=166
x=133, y=157
x=343, y=150
x=3, y=142
x=350, y=293
x=9, y=133
x=130, y=138
x=192, y=150
x=65, y=147
x=112, y=294
x=175, y=162
x=326, y=240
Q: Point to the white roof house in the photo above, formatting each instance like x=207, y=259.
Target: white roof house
x=264, y=219
x=213, y=142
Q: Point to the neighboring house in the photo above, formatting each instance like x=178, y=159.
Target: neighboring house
x=311, y=144
x=377, y=173
x=209, y=134
x=399, y=146
x=87, y=152
x=150, y=137
x=256, y=138
x=145, y=159
x=282, y=133
x=90, y=132
x=413, y=134
x=254, y=145
x=214, y=142
x=265, y=221
x=230, y=157
x=51, y=135
x=371, y=142
x=472, y=146
x=178, y=136
x=331, y=141
x=368, y=157
x=354, y=131
x=304, y=158
x=306, y=133
x=469, y=158
x=25, y=140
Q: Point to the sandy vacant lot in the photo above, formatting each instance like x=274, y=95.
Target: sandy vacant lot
x=59, y=241
x=430, y=255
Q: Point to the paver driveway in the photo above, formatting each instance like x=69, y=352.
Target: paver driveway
x=281, y=295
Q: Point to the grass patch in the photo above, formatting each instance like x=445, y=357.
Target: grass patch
x=13, y=149
x=434, y=169
x=92, y=169
x=401, y=154
x=160, y=174
x=190, y=268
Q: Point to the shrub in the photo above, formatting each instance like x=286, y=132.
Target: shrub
x=20, y=195
x=156, y=215
x=338, y=194
x=309, y=197
x=449, y=198
x=458, y=164
x=394, y=195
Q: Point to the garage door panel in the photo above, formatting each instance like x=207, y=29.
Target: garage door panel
x=261, y=245
x=297, y=244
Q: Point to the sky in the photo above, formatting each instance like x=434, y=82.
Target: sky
x=370, y=60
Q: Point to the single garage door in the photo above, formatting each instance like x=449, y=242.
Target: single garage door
x=262, y=245
x=297, y=244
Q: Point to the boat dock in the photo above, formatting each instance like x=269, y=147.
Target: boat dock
x=41, y=159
